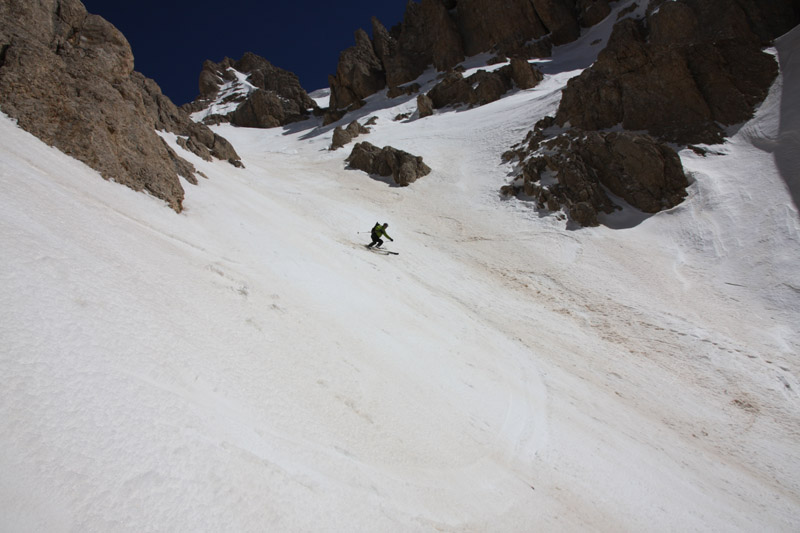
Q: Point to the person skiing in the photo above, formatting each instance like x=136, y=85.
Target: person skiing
x=378, y=231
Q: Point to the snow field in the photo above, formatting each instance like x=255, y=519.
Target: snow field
x=247, y=365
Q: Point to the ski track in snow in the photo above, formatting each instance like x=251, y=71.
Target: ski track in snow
x=246, y=365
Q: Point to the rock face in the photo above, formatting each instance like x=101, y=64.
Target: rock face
x=67, y=77
x=442, y=33
x=697, y=62
x=358, y=74
x=574, y=169
x=250, y=92
x=387, y=161
x=591, y=12
x=196, y=138
x=428, y=35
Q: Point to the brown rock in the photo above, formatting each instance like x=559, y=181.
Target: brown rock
x=67, y=77
x=401, y=90
x=383, y=43
x=524, y=75
x=591, y=12
x=491, y=86
x=482, y=87
x=355, y=129
x=210, y=79
x=560, y=19
x=427, y=36
x=333, y=115
x=635, y=167
x=340, y=138
x=442, y=32
x=452, y=90
x=430, y=31
x=388, y=161
x=279, y=99
x=165, y=116
x=283, y=83
x=484, y=24
x=266, y=109
x=358, y=74
x=697, y=63
x=424, y=106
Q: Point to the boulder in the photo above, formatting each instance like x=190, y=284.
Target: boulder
x=388, y=161
x=263, y=109
x=524, y=75
x=342, y=136
x=453, y=89
x=424, y=106
x=489, y=87
x=67, y=77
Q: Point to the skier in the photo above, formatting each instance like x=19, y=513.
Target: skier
x=378, y=231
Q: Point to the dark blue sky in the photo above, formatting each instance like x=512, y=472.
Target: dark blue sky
x=172, y=38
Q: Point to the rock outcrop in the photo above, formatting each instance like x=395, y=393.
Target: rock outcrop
x=441, y=33
x=194, y=137
x=699, y=63
x=682, y=73
x=358, y=74
x=388, y=161
x=67, y=77
x=428, y=35
x=342, y=136
x=250, y=92
x=574, y=169
x=591, y=12
x=424, y=106
x=483, y=87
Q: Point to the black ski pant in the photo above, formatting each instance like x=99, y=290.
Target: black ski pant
x=375, y=240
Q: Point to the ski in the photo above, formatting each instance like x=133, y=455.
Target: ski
x=381, y=250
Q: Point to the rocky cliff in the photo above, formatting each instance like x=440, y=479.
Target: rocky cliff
x=441, y=33
x=67, y=77
x=681, y=72
x=250, y=92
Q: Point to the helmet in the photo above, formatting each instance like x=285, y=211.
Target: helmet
x=385, y=224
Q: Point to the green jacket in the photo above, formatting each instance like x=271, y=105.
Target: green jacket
x=380, y=231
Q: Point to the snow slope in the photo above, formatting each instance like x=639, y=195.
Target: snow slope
x=247, y=365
